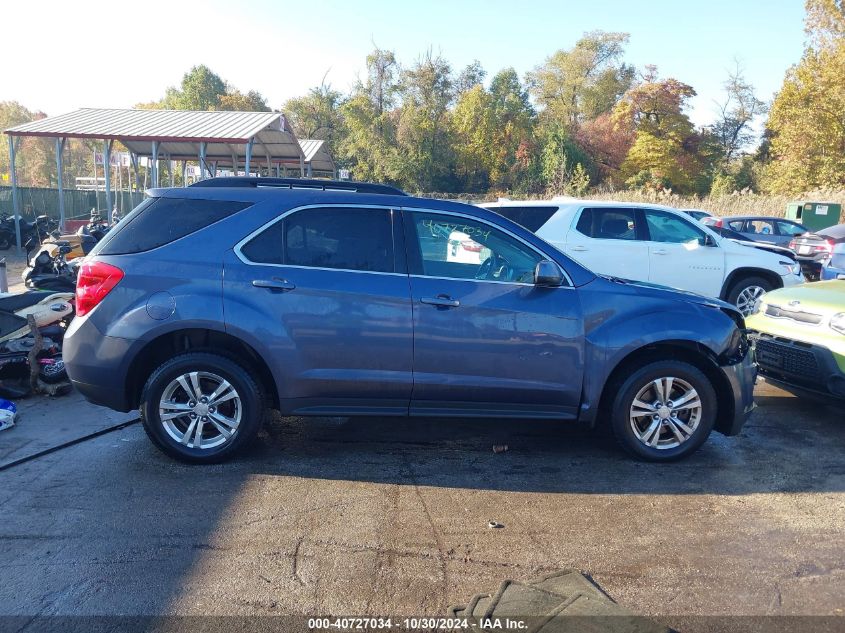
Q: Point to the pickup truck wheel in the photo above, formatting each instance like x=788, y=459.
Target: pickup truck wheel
x=664, y=411
x=201, y=408
x=745, y=292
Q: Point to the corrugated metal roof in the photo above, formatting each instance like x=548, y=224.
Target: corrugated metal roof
x=179, y=132
x=316, y=154
x=161, y=125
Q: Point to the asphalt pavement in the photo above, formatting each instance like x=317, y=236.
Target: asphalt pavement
x=385, y=516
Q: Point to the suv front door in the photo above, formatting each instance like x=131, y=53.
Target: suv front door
x=324, y=293
x=681, y=254
x=487, y=341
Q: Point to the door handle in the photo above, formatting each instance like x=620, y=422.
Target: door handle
x=274, y=284
x=441, y=301
x=578, y=248
x=660, y=251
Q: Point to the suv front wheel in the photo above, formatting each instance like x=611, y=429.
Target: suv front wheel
x=745, y=292
x=664, y=411
x=201, y=408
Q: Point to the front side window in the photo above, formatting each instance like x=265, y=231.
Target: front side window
x=462, y=248
x=668, y=228
x=336, y=237
x=608, y=224
x=737, y=225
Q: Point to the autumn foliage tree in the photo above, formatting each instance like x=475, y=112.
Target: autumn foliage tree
x=807, y=119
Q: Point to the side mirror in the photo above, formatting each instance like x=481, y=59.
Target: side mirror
x=548, y=274
x=709, y=241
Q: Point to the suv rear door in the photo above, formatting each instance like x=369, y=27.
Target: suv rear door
x=609, y=240
x=323, y=291
x=487, y=341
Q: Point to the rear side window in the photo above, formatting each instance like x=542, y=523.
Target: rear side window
x=532, y=218
x=608, y=224
x=341, y=238
x=159, y=221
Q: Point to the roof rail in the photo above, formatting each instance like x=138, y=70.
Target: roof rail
x=300, y=183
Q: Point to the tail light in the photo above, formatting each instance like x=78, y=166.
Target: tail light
x=792, y=245
x=718, y=223
x=471, y=245
x=825, y=247
x=94, y=282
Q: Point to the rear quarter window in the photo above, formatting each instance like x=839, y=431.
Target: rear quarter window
x=159, y=221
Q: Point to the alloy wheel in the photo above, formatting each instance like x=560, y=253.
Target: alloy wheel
x=200, y=410
x=748, y=297
x=665, y=413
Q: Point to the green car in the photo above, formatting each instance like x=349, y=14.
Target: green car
x=799, y=337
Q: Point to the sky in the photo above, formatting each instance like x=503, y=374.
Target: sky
x=60, y=55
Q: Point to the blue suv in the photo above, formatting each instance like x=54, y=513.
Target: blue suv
x=210, y=304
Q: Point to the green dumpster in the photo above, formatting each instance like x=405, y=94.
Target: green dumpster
x=814, y=215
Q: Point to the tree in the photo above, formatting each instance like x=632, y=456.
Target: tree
x=607, y=143
x=317, y=114
x=473, y=132
x=664, y=151
x=35, y=161
x=806, y=125
x=583, y=82
x=203, y=89
x=422, y=132
x=471, y=76
x=236, y=101
x=513, y=132
x=825, y=21
x=563, y=163
x=381, y=85
x=368, y=144
x=732, y=129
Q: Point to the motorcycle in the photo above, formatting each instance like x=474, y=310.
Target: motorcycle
x=49, y=269
x=40, y=229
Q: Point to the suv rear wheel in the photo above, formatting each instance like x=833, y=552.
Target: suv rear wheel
x=201, y=407
x=745, y=292
x=664, y=411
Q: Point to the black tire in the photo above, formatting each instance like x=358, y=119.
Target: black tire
x=743, y=284
x=5, y=241
x=251, y=403
x=620, y=419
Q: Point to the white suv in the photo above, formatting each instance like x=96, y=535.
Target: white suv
x=652, y=243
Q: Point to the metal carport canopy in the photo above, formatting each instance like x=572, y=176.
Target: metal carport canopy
x=238, y=139
x=179, y=134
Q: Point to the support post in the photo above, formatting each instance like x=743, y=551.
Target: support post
x=171, y=168
x=248, y=156
x=301, y=165
x=154, y=174
x=234, y=164
x=203, y=150
x=107, y=145
x=60, y=150
x=184, y=173
x=16, y=202
x=133, y=158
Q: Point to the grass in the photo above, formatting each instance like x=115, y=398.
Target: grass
x=738, y=203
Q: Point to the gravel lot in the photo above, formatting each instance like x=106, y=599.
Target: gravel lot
x=389, y=517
